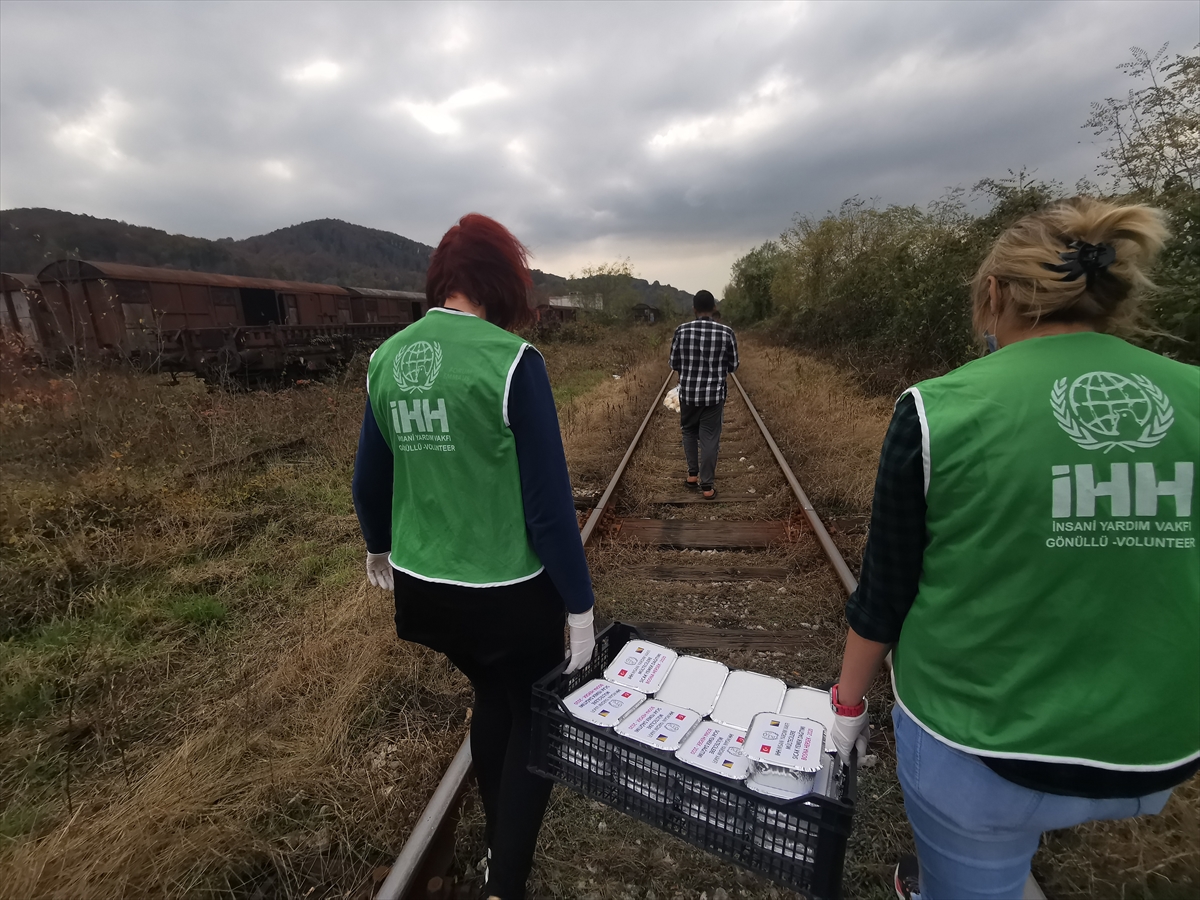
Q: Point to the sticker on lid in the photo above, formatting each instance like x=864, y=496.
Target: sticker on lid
x=695, y=683
x=641, y=666
x=716, y=749
x=662, y=726
x=744, y=695
x=602, y=703
x=811, y=703
x=785, y=745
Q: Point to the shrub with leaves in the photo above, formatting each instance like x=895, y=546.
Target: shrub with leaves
x=887, y=288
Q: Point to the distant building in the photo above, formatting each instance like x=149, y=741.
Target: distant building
x=644, y=312
x=577, y=301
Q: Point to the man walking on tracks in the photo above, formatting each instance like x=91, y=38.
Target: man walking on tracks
x=703, y=352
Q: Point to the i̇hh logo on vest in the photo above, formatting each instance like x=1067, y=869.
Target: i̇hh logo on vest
x=416, y=368
x=1103, y=411
x=1106, y=411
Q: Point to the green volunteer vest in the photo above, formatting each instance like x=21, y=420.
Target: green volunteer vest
x=439, y=392
x=1058, y=613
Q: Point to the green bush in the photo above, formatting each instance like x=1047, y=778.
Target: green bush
x=889, y=287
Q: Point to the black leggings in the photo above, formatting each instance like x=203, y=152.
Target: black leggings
x=503, y=639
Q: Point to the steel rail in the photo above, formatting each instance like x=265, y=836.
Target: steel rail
x=598, y=510
x=399, y=881
x=399, y=884
x=835, y=556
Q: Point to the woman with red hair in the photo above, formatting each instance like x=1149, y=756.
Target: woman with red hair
x=463, y=497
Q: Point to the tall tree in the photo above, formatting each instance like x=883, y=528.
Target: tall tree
x=1153, y=133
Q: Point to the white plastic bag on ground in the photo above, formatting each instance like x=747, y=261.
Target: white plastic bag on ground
x=671, y=401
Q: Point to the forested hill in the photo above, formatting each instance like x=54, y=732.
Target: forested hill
x=325, y=250
x=330, y=250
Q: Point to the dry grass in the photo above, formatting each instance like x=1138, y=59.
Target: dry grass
x=201, y=698
x=197, y=684
x=829, y=430
x=200, y=695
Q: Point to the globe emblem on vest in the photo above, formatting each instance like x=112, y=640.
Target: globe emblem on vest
x=1104, y=411
x=416, y=367
x=1103, y=402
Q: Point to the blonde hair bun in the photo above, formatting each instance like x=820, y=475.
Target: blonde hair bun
x=1028, y=260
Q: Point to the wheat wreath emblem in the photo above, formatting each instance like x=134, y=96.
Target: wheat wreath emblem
x=1152, y=434
x=407, y=384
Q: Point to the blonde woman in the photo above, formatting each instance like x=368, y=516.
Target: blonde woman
x=1032, y=562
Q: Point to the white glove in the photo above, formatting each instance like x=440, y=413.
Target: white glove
x=849, y=732
x=379, y=571
x=583, y=640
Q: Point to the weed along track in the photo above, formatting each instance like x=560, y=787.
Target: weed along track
x=751, y=579
x=202, y=697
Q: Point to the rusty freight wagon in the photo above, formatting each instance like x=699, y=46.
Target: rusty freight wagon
x=25, y=325
x=378, y=305
x=220, y=326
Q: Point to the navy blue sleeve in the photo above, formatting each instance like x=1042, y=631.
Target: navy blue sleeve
x=372, y=485
x=550, y=518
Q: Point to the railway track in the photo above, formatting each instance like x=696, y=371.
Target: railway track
x=720, y=576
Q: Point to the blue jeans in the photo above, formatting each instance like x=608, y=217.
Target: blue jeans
x=976, y=832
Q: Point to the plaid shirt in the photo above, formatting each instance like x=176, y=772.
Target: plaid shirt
x=703, y=352
x=891, y=566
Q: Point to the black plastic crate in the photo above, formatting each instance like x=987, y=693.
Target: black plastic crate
x=799, y=844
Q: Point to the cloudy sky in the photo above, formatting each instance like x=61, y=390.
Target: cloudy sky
x=676, y=134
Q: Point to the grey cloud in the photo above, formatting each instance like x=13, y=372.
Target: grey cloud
x=204, y=131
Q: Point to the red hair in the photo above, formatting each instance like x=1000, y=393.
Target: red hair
x=480, y=258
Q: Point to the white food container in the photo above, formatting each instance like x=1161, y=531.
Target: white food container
x=642, y=666
x=716, y=749
x=695, y=683
x=644, y=777
x=780, y=788
x=728, y=812
x=744, y=695
x=774, y=831
x=811, y=703
x=585, y=759
x=661, y=726
x=785, y=787
x=603, y=703
x=784, y=751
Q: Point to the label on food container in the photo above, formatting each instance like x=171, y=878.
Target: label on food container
x=744, y=695
x=716, y=749
x=811, y=703
x=694, y=682
x=641, y=666
x=662, y=726
x=603, y=703
x=786, y=744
